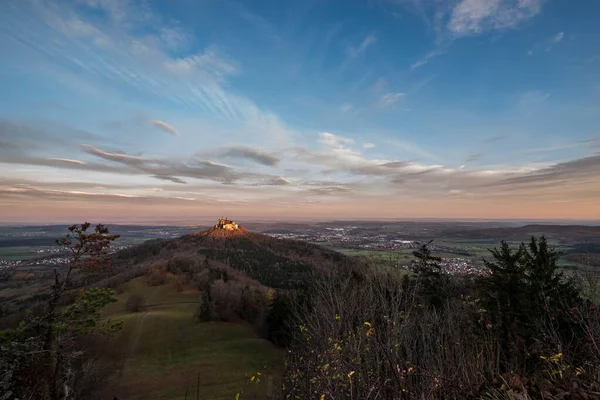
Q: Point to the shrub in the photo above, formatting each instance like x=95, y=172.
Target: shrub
x=181, y=264
x=180, y=281
x=157, y=275
x=134, y=303
x=204, y=312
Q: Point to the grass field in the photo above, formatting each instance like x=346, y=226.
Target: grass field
x=20, y=252
x=166, y=351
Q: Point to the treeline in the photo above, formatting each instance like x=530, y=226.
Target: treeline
x=523, y=332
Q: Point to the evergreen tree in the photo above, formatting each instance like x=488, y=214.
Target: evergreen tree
x=548, y=287
x=430, y=275
x=205, y=307
x=506, y=301
x=524, y=286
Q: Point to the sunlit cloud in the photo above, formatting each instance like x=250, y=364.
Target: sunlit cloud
x=162, y=125
x=67, y=160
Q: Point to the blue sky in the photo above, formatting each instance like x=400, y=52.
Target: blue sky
x=171, y=110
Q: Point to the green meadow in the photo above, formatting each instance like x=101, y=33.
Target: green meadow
x=169, y=355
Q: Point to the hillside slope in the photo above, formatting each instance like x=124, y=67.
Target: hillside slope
x=167, y=354
x=278, y=263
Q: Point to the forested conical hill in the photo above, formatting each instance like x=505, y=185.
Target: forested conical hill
x=278, y=263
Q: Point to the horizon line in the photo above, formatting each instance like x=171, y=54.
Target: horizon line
x=207, y=221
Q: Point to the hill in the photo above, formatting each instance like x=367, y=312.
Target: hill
x=277, y=263
x=560, y=233
x=208, y=307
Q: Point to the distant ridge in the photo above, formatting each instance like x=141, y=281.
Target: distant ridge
x=566, y=232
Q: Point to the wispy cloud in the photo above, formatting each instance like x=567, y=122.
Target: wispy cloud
x=572, y=144
x=334, y=140
x=419, y=63
x=162, y=125
x=257, y=21
x=174, y=37
x=474, y=157
x=558, y=37
x=582, y=168
x=554, y=41
x=329, y=191
x=67, y=160
x=255, y=155
x=278, y=181
x=174, y=170
x=368, y=145
x=118, y=10
x=494, y=139
x=389, y=99
x=354, y=51
x=532, y=98
x=135, y=55
x=208, y=62
x=346, y=108
x=470, y=17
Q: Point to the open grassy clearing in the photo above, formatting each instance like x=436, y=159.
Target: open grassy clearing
x=165, y=349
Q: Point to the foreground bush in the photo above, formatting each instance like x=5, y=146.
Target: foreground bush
x=523, y=332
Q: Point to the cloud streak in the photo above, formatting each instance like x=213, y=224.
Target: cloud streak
x=428, y=57
x=390, y=99
x=67, y=160
x=368, y=41
x=258, y=156
x=163, y=126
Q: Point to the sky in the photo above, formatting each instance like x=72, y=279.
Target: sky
x=182, y=110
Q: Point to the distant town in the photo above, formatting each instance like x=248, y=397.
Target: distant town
x=49, y=256
x=351, y=237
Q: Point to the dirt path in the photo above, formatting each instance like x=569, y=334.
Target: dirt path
x=134, y=341
x=137, y=334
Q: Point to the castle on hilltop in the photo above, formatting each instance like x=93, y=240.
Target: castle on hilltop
x=226, y=224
